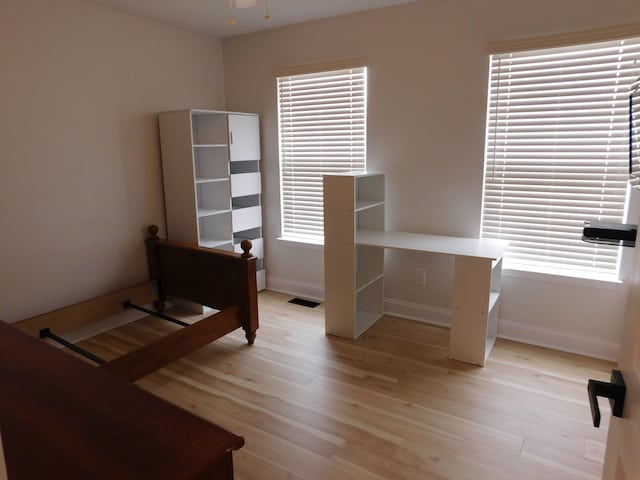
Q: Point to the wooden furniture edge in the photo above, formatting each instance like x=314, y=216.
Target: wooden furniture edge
x=84, y=313
x=56, y=405
x=237, y=306
x=155, y=355
x=466, y=246
x=3, y=463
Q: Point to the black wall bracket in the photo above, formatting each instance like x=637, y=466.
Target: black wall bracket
x=622, y=234
x=615, y=391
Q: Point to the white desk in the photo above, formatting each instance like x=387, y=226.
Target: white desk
x=355, y=239
x=476, y=291
x=416, y=242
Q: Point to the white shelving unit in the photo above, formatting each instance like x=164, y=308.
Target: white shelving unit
x=355, y=239
x=353, y=274
x=212, y=181
x=476, y=307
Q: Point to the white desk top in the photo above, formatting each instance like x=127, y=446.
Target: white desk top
x=459, y=246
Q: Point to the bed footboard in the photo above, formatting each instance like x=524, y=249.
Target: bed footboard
x=224, y=281
x=215, y=278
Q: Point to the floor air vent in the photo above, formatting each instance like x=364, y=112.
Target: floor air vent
x=304, y=303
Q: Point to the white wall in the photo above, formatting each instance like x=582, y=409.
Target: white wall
x=428, y=71
x=80, y=174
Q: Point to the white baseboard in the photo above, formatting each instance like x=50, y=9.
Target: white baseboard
x=519, y=332
x=308, y=291
x=415, y=311
x=509, y=330
x=558, y=340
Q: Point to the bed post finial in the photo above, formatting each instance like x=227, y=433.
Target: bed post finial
x=153, y=232
x=246, y=248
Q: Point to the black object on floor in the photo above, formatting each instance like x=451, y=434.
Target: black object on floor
x=304, y=303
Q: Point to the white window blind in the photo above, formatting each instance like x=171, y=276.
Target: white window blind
x=557, y=153
x=634, y=133
x=322, y=128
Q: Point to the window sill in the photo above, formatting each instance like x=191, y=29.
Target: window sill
x=301, y=243
x=606, y=283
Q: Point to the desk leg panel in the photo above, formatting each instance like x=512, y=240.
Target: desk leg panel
x=470, y=312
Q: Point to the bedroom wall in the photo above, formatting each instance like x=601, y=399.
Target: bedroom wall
x=428, y=71
x=80, y=174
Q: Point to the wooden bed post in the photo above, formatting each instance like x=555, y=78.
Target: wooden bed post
x=251, y=311
x=152, y=259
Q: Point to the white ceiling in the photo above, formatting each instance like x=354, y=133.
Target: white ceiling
x=211, y=16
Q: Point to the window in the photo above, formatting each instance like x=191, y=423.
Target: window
x=322, y=129
x=557, y=154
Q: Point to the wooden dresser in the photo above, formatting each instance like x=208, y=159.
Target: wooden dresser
x=63, y=418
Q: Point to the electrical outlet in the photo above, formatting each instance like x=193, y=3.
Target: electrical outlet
x=420, y=277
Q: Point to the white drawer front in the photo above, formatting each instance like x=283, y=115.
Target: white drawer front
x=246, y=218
x=243, y=184
x=257, y=248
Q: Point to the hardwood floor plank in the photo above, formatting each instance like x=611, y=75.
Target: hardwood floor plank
x=450, y=466
x=248, y=463
x=521, y=467
x=594, y=451
x=281, y=450
x=442, y=424
x=389, y=405
x=385, y=463
x=213, y=397
x=569, y=457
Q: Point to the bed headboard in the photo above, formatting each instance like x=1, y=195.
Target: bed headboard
x=207, y=276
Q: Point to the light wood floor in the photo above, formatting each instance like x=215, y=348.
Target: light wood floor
x=389, y=405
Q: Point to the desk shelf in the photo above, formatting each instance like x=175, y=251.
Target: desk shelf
x=364, y=205
x=364, y=320
x=476, y=308
x=364, y=279
x=494, y=297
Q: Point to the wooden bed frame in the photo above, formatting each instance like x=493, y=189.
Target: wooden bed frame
x=224, y=281
x=62, y=418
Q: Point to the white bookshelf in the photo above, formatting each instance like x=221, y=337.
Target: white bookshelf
x=212, y=181
x=353, y=274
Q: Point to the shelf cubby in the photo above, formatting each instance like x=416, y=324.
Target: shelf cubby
x=369, y=306
x=213, y=196
x=215, y=231
x=210, y=163
x=371, y=218
x=209, y=129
